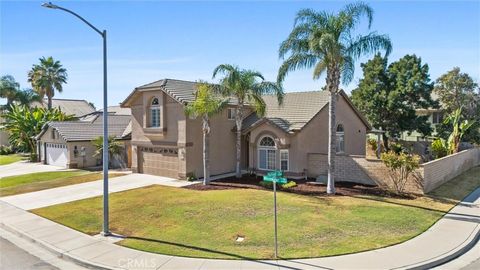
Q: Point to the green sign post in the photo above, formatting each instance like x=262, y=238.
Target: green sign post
x=275, y=177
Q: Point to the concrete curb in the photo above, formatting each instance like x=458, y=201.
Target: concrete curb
x=455, y=253
x=56, y=251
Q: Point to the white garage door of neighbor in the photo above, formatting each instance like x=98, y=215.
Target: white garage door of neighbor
x=57, y=154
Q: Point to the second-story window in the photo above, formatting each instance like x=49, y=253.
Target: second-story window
x=340, y=139
x=154, y=113
x=231, y=113
x=437, y=117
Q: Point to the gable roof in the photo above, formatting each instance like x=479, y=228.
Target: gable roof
x=181, y=91
x=75, y=107
x=87, y=130
x=297, y=110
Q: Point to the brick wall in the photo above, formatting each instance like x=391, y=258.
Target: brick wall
x=441, y=170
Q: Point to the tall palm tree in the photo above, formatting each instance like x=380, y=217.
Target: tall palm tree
x=247, y=86
x=206, y=105
x=47, y=77
x=326, y=42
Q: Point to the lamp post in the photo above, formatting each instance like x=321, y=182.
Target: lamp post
x=103, y=33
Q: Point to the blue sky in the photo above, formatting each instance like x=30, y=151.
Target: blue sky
x=151, y=40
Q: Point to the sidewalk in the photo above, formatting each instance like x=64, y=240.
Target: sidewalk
x=451, y=236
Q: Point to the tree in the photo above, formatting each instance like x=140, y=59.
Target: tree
x=24, y=123
x=457, y=90
x=400, y=167
x=47, y=77
x=206, y=105
x=247, y=86
x=459, y=129
x=114, y=147
x=8, y=89
x=389, y=96
x=326, y=42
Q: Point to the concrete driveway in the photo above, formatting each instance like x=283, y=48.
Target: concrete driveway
x=81, y=191
x=25, y=167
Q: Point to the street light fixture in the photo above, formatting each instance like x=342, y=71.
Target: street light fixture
x=103, y=33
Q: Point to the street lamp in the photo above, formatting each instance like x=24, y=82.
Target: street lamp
x=103, y=33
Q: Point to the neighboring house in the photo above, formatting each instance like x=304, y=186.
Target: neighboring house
x=292, y=137
x=75, y=107
x=69, y=143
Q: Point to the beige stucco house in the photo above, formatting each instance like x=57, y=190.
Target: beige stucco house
x=292, y=137
x=69, y=143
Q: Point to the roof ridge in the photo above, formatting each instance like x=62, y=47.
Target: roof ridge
x=299, y=92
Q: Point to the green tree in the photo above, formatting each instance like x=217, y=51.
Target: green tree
x=114, y=147
x=9, y=89
x=48, y=77
x=24, y=123
x=457, y=90
x=326, y=42
x=206, y=105
x=247, y=86
x=389, y=96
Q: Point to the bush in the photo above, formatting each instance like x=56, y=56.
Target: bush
x=439, y=148
x=269, y=185
x=6, y=150
x=397, y=148
x=400, y=166
x=191, y=177
x=372, y=143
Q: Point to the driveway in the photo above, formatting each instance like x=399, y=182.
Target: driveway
x=76, y=192
x=25, y=167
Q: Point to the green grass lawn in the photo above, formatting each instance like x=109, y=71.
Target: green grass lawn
x=18, y=184
x=186, y=222
x=7, y=159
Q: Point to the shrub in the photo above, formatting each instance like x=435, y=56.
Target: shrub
x=269, y=185
x=397, y=148
x=191, y=177
x=400, y=166
x=6, y=150
x=439, y=148
x=372, y=143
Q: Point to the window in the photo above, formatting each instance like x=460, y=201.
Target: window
x=437, y=117
x=53, y=134
x=231, y=112
x=154, y=113
x=340, y=139
x=284, y=160
x=75, y=151
x=267, y=154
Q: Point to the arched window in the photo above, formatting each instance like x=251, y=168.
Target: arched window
x=267, y=153
x=154, y=113
x=340, y=139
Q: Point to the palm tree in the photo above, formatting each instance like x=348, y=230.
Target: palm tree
x=47, y=77
x=9, y=89
x=114, y=147
x=206, y=105
x=247, y=86
x=325, y=41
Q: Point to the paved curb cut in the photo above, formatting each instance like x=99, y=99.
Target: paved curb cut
x=56, y=251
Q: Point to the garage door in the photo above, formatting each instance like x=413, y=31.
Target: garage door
x=159, y=161
x=56, y=154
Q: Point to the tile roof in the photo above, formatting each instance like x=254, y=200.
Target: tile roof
x=181, y=91
x=118, y=126
x=297, y=110
x=74, y=107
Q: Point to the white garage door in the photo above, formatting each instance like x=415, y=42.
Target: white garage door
x=56, y=154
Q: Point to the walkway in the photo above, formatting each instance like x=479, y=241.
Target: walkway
x=43, y=198
x=25, y=167
x=449, y=237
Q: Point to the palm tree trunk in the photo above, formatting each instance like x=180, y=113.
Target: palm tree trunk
x=333, y=81
x=238, y=120
x=206, y=154
x=49, y=102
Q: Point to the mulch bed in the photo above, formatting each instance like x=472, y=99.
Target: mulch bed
x=303, y=187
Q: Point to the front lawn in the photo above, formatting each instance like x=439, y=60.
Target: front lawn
x=185, y=222
x=18, y=184
x=7, y=159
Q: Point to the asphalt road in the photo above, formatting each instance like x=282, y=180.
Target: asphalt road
x=13, y=257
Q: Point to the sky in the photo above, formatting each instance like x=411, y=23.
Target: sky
x=152, y=40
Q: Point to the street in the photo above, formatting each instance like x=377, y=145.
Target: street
x=13, y=257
